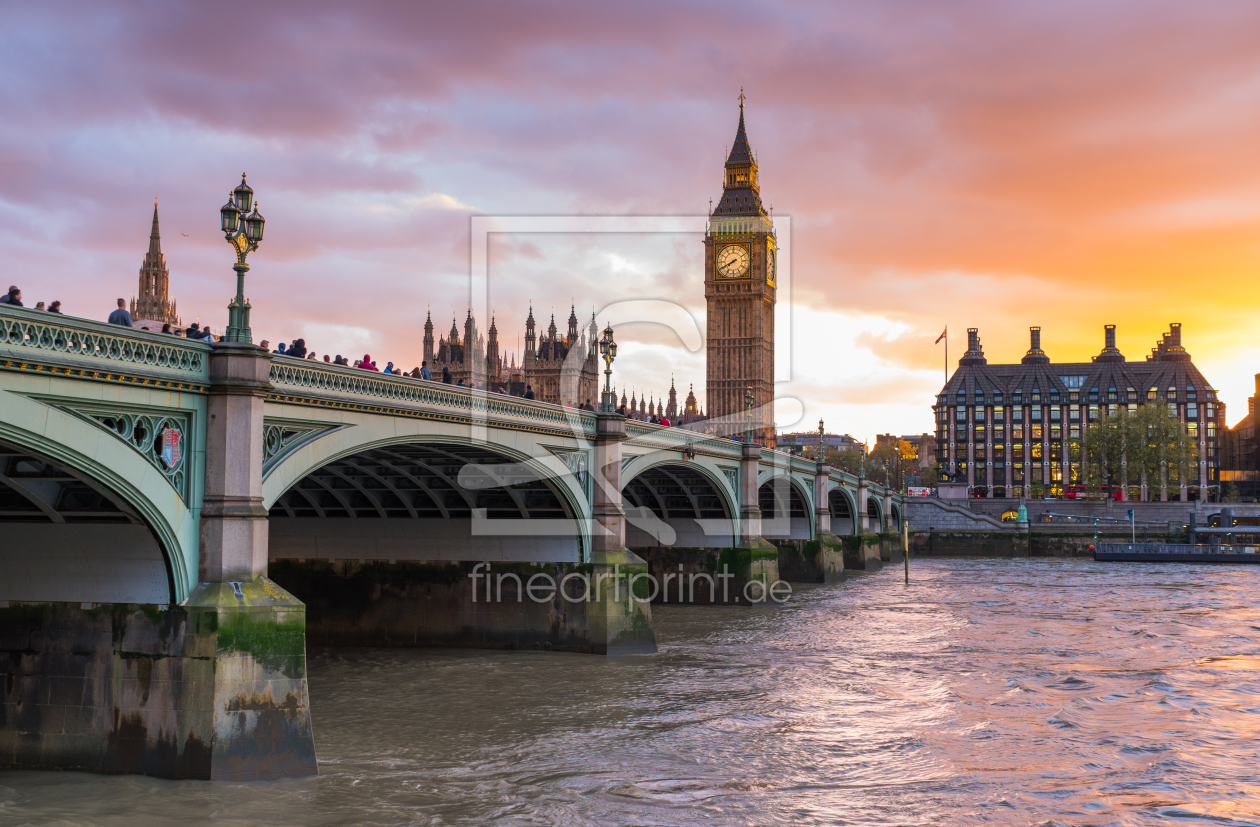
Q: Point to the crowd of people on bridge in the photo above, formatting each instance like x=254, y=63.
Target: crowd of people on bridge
x=297, y=349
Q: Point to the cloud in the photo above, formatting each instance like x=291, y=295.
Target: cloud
x=981, y=164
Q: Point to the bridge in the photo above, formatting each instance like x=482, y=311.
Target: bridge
x=179, y=517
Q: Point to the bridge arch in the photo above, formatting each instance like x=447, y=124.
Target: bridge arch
x=677, y=503
x=842, y=506
x=786, y=509
x=432, y=498
x=874, y=513
x=108, y=526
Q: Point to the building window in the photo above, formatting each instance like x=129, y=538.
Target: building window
x=1131, y=394
x=1017, y=432
x=980, y=414
x=1093, y=394
x=1036, y=414
x=1056, y=431
x=1172, y=410
x=1036, y=433
x=1036, y=450
x=1211, y=431
x=1111, y=394
x=1190, y=394
x=1093, y=412
x=1192, y=428
x=960, y=414
x=999, y=414
x=1036, y=473
x=1019, y=395
x=1074, y=412
x=1074, y=431
x=1210, y=409
x=1132, y=409
x=1017, y=414
x=1036, y=395
x=1192, y=410
x=1055, y=413
x=1152, y=394
x=1017, y=450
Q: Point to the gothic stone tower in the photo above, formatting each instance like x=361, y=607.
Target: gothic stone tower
x=152, y=301
x=739, y=279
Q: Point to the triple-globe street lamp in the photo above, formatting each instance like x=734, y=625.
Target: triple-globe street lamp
x=608, y=350
x=243, y=230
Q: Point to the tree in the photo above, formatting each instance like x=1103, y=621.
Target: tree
x=890, y=463
x=1150, y=442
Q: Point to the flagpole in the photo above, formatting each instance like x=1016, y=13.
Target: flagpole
x=946, y=354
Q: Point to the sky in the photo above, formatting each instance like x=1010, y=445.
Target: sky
x=972, y=164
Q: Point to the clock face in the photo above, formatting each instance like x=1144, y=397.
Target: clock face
x=770, y=257
x=732, y=261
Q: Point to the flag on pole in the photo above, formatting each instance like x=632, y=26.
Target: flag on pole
x=942, y=336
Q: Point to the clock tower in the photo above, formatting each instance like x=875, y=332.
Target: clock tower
x=739, y=291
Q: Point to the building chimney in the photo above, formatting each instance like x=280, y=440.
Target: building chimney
x=1174, y=334
x=974, y=355
x=1109, y=352
x=1035, y=355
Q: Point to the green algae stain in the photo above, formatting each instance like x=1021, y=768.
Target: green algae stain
x=278, y=645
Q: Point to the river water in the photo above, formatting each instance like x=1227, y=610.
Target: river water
x=1006, y=692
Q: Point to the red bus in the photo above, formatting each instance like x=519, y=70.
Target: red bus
x=1093, y=492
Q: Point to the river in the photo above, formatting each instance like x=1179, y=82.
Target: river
x=1004, y=692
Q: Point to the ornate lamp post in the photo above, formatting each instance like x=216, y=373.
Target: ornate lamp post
x=820, y=440
x=749, y=399
x=243, y=230
x=608, y=350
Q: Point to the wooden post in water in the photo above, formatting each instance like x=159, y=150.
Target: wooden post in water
x=905, y=546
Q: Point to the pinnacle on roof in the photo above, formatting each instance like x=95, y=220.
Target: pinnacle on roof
x=155, y=238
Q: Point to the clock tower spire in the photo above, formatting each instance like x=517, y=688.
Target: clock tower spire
x=739, y=290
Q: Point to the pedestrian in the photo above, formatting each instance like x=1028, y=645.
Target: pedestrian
x=665, y=421
x=13, y=297
x=121, y=316
x=424, y=371
x=166, y=328
x=327, y=359
x=40, y=306
x=389, y=368
x=446, y=376
x=312, y=355
x=367, y=363
x=298, y=348
x=55, y=307
x=280, y=350
x=529, y=392
x=340, y=360
x=264, y=344
x=460, y=383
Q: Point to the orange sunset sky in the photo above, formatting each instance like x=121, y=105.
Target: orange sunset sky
x=977, y=164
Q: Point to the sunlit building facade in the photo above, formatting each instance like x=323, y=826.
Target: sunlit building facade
x=1004, y=428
